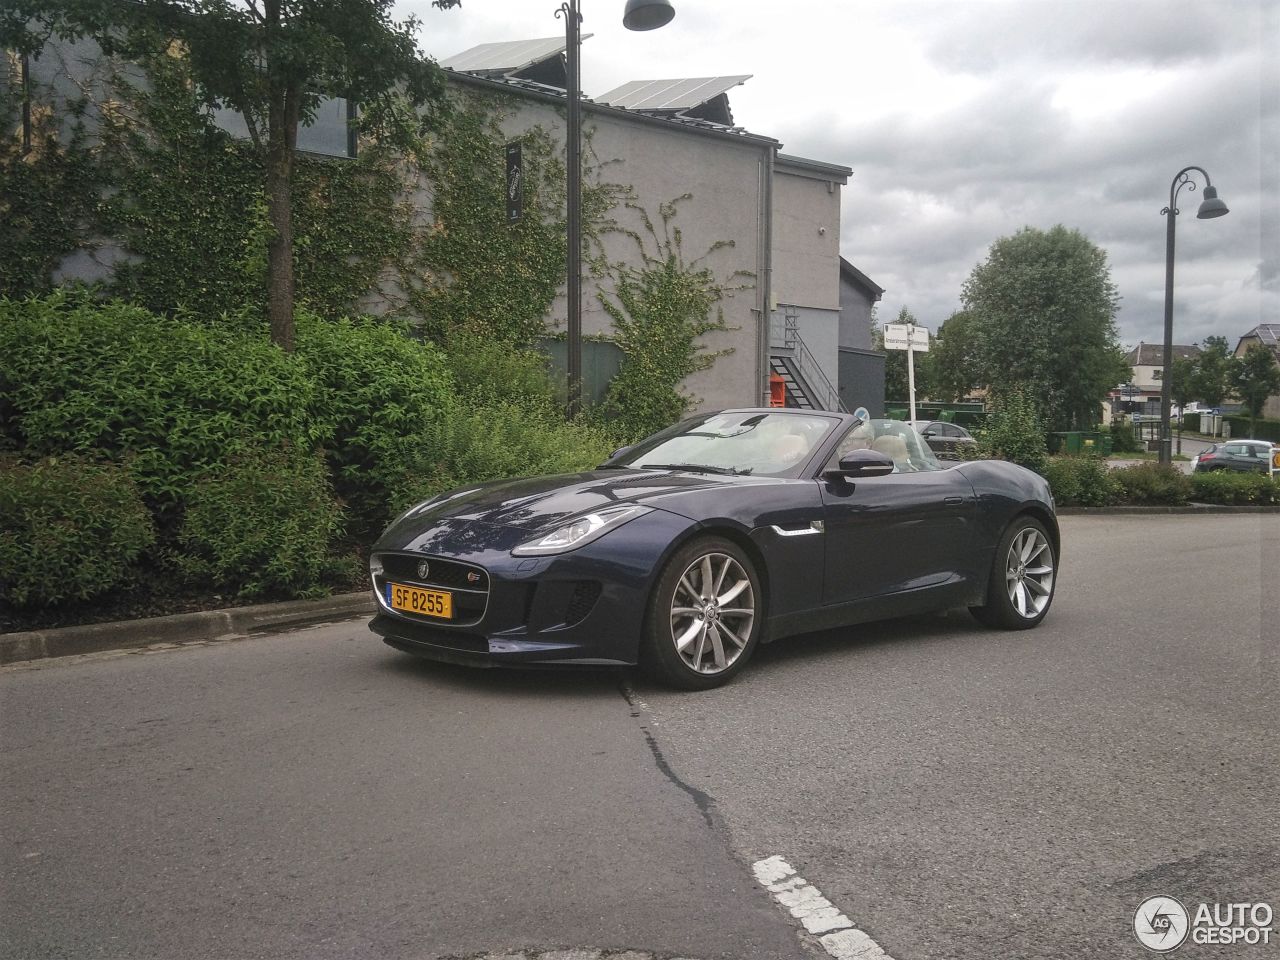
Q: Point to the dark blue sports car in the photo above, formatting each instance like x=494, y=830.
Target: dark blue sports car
x=722, y=532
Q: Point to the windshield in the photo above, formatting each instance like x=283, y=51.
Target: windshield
x=747, y=442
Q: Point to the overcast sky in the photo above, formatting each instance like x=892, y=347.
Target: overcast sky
x=965, y=120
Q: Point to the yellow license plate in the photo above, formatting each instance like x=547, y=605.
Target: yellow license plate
x=430, y=603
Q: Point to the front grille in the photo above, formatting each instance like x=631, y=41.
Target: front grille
x=468, y=584
x=403, y=567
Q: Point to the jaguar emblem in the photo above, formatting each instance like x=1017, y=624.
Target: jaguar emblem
x=424, y=568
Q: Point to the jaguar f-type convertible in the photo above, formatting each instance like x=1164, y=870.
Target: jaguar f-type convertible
x=727, y=530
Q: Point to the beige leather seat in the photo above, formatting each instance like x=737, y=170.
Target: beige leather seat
x=895, y=447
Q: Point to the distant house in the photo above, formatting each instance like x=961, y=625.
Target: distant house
x=1147, y=361
x=1267, y=334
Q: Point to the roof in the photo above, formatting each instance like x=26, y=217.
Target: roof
x=674, y=96
x=1267, y=334
x=855, y=276
x=804, y=166
x=551, y=94
x=1152, y=354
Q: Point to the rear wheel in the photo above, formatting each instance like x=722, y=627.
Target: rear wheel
x=704, y=615
x=1023, y=576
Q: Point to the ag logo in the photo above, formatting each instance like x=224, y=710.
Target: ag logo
x=1161, y=924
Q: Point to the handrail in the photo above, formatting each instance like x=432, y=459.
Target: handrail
x=784, y=332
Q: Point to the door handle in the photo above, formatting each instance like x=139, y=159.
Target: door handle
x=953, y=501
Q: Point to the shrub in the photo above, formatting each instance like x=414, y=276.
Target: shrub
x=1223, y=486
x=1154, y=484
x=70, y=529
x=1082, y=481
x=1123, y=439
x=1263, y=430
x=500, y=441
x=1014, y=432
x=173, y=398
x=377, y=393
x=263, y=523
x=489, y=371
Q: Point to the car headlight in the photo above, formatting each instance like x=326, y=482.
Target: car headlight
x=580, y=531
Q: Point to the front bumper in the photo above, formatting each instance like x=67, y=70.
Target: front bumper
x=585, y=607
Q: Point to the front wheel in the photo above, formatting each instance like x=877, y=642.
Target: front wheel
x=704, y=615
x=1023, y=576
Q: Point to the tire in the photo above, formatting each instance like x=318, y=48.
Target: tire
x=692, y=643
x=1024, y=573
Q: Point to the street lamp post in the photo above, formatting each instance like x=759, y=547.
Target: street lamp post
x=1210, y=207
x=639, y=15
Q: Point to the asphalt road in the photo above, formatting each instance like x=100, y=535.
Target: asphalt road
x=959, y=793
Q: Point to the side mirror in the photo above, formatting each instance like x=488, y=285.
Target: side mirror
x=862, y=463
x=930, y=433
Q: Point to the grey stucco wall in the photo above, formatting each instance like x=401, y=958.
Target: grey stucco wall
x=806, y=239
x=855, y=316
x=723, y=179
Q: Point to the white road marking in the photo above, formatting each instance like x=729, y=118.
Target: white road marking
x=805, y=902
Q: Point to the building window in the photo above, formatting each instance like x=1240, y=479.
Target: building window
x=331, y=134
x=1157, y=374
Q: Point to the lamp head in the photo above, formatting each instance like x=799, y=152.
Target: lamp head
x=1211, y=206
x=647, y=14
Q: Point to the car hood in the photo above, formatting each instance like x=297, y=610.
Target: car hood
x=545, y=502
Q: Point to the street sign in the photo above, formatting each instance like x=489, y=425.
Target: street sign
x=898, y=335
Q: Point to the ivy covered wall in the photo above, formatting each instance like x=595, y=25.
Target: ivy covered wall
x=133, y=169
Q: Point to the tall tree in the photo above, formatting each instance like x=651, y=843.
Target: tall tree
x=1255, y=377
x=1212, y=384
x=1042, y=312
x=952, y=368
x=272, y=61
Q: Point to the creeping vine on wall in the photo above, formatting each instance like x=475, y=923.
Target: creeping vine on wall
x=48, y=194
x=660, y=310
x=422, y=235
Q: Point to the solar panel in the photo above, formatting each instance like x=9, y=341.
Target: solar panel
x=670, y=95
x=508, y=56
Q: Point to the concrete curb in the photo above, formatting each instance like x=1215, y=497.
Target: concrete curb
x=1196, y=509
x=180, y=627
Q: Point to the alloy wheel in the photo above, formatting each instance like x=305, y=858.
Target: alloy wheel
x=1029, y=573
x=712, y=612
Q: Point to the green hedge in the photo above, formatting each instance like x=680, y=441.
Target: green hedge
x=376, y=394
x=1263, y=430
x=217, y=429
x=264, y=523
x=1223, y=486
x=1082, y=482
x=71, y=529
x=498, y=441
x=1087, y=482
x=1153, y=484
x=170, y=398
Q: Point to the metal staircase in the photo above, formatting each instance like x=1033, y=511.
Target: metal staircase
x=807, y=386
